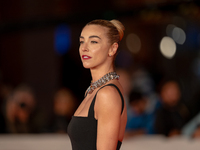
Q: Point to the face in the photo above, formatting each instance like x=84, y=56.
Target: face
x=94, y=46
x=170, y=93
x=63, y=105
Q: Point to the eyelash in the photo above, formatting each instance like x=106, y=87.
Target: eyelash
x=93, y=42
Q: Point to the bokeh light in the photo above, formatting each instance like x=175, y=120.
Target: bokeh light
x=176, y=33
x=62, y=39
x=168, y=47
x=133, y=43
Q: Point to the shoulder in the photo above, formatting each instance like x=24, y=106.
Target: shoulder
x=108, y=100
x=108, y=92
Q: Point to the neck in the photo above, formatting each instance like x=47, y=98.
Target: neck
x=98, y=73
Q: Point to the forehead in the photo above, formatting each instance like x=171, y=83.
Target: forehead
x=98, y=30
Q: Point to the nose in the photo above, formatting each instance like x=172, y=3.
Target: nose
x=84, y=47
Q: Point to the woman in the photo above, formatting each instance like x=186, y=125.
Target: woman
x=100, y=120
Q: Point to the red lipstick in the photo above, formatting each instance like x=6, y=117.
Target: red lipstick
x=85, y=57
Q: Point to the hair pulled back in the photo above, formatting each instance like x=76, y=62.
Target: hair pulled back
x=115, y=29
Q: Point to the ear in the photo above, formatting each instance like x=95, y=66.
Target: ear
x=113, y=49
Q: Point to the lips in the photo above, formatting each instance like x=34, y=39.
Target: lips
x=85, y=57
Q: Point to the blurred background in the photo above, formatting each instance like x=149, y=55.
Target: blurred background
x=42, y=80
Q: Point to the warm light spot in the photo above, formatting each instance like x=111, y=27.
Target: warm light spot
x=133, y=43
x=168, y=47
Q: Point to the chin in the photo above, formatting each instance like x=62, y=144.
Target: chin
x=87, y=66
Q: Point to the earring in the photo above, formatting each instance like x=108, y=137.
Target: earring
x=110, y=55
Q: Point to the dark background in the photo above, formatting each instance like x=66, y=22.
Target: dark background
x=27, y=43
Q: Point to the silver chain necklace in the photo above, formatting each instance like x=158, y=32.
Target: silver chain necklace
x=102, y=81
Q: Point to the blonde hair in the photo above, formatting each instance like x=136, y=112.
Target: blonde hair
x=115, y=29
x=120, y=28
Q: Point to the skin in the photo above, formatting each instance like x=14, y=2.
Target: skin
x=111, y=123
x=170, y=93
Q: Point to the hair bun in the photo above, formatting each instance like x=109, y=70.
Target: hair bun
x=120, y=27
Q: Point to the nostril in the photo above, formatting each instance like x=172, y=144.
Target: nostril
x=84, y=48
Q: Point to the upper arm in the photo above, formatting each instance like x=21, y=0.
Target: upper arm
x=108, y=112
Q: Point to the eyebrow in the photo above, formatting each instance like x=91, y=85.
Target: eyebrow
x=92, y=36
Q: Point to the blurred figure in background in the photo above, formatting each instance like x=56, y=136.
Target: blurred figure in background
x=19, y=108
x=5, y=91
x=196, y=133
x=64, y=106
x=143, y=82
x=191, y=127
x=173, y=114
x=139, y=120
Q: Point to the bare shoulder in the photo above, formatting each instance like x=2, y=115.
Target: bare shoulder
x=108, y=94
x=108, y=100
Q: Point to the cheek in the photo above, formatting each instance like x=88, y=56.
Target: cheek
x=100, y=52
x=95, y=48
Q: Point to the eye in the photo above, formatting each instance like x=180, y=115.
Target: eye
x=94, y=42
x=81, y=42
